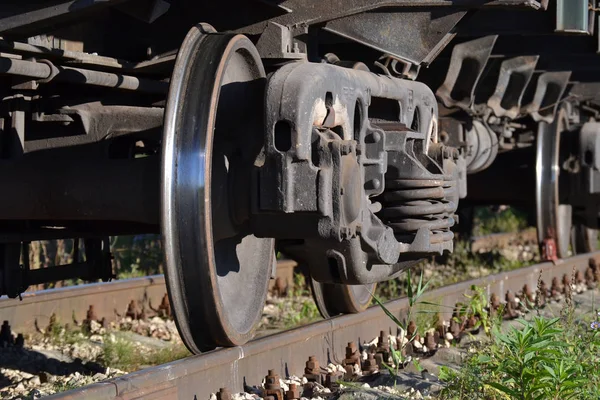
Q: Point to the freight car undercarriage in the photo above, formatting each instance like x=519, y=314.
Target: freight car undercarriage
x=262, y=138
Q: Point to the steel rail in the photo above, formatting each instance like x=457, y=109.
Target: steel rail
x=197, y=377
x=108, y=299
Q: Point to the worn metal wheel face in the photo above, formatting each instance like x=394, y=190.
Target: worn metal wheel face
x=217, y=272
x=553, y=218
x=584, y=239
x=333, y=299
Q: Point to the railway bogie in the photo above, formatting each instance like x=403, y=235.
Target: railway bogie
x=343, y=135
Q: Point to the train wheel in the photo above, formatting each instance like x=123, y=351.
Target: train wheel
x=553, y=218
x=333, y=299
x=584, y=239
x=217, y=272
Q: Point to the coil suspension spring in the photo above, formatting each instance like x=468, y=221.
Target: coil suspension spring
x=413, y=204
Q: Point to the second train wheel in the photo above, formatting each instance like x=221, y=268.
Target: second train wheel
x=217, y=272
x=584, y=239
x=553, y=216
x=333, y=299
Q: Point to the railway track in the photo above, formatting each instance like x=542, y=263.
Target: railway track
x=286, y=353
x=110, y=299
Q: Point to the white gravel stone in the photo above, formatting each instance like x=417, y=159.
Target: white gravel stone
x=34, y=381
x=243, y=396
x=284, y=385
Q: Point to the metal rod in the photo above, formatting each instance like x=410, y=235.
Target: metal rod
x=44, y=70
x=29, y=69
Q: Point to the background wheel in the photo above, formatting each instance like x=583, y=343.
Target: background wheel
x=333, y=299
x=584, y=239
x=217, y=272
x=553, y=218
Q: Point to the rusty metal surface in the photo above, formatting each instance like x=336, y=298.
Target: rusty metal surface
x=107, y=298
x=74, y=301
x=286, y=353
x=302, y=12
x=501, y=240
x=411, y=36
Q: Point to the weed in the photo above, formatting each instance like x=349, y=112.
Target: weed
x=414, y=295
x=476, y=306
x=489, y=220
x=128, y=356
x=545, y=358
x=59, y=386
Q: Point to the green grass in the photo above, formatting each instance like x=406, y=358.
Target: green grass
x=544, y=358
x=127, y=356
x=116, y=352
x=59, y=387
x=487, y=220
x=303, y=308
x=459, y=266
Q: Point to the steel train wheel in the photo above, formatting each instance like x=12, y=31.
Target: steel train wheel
x=217, y=272
x=584, y=239
x=333, y=299
x=553, y=218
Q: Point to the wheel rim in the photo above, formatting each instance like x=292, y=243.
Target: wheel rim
x=334, y=299
x=585, y=239
x=217, y=273
x=553, y=218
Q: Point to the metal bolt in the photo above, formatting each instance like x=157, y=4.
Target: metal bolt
x=556, y=287
x=455, y=329
x=132, y=310
x=579, y=279
x=345, y=148
x=566, y=281
x=312, y=371
x=589, y=275
x=593, y=264
x=331, y=380
x=352, y=355
x=495, y=301
x=510, y=310
x=375, y=183
x=543, y=289
x=5, y=334
x=165, y=306
x=430, y=342
x=91, y=314
x=293, y=393
x=370, y=365
x=383, y=341
x=411, y=329
x=272, y=386
x=471, y=322
x=527, y=294
x=20, y=342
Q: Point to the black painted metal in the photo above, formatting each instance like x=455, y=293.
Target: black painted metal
x=217, y=271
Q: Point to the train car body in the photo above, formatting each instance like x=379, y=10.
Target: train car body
x=342, y=133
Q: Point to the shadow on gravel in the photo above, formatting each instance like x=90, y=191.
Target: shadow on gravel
x=43, y=364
